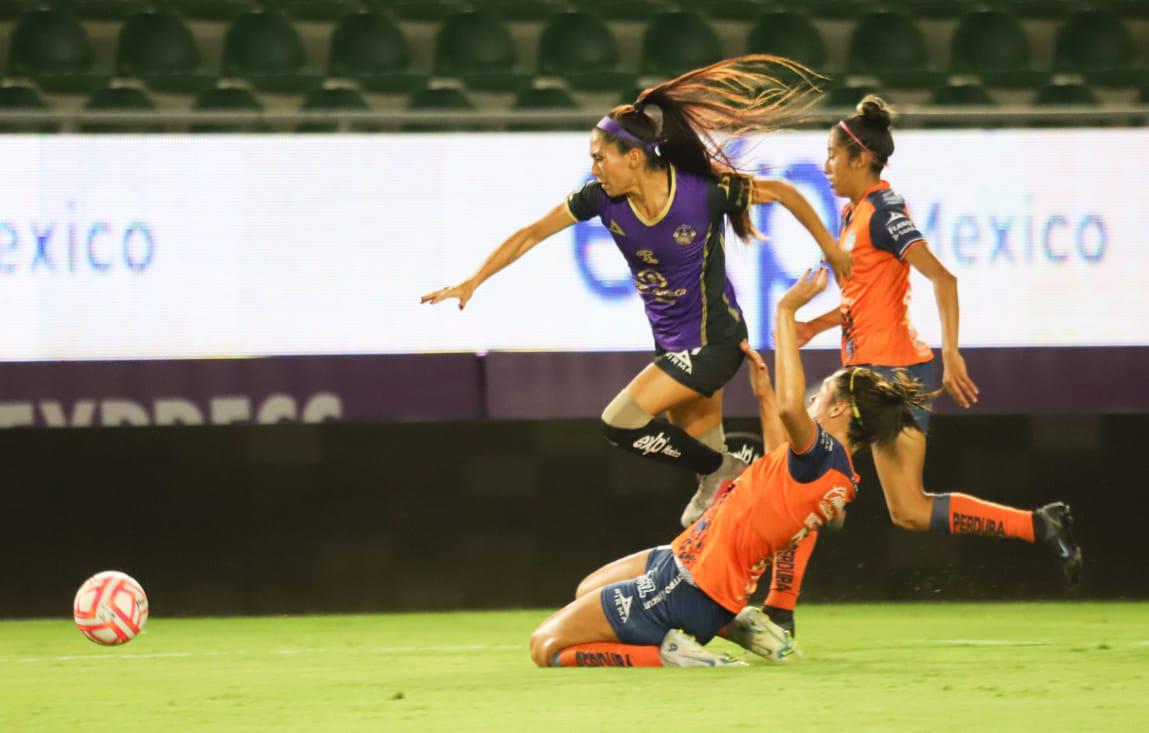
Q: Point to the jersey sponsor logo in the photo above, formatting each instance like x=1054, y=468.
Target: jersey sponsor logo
x=848, y=243
x=662, y=594
x=645, y=584
x=656, y=444
x=894, y=216
x=684, y=234
x=616, y=229
x=971, y=524
x=622, y=605
x=783, y=570
x=681, y=359
x=602, y=659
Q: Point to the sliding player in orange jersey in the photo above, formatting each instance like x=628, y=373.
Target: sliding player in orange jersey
x=658, y=607
x=876, y=333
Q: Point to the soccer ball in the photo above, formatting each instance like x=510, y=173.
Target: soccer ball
x=110, y=608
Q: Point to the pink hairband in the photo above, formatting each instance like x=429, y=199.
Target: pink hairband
x=858, y=140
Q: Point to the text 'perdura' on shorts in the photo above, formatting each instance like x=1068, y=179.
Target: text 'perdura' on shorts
x=926, y=373
x=705, y=369
x=641, y=610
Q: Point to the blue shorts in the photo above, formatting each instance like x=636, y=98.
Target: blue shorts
x=643, y=609
x=926, y=373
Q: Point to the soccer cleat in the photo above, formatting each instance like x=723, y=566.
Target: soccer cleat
x=1057, y=520
x=680, y=649
x=753, y=630
x=708, y=484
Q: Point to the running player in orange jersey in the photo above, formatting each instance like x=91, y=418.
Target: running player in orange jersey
x=659, y=606
x=876, y=333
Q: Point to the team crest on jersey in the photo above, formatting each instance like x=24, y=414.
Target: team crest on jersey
x=848, y=245
x=684, y=234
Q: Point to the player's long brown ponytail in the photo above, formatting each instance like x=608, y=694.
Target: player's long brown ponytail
x=882, y=408
x=739, y=96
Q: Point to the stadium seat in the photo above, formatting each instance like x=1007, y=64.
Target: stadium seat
x=1065, y=94
x=477, y=48
x=264, y=48
x=326, y=11
x=425, y=10
x=789, y=34
x=446, y=99
x=108, y=9
x=1095, y=42
x=544, y=98
x=334, y=99
x=119, y=99
x=214, y=9
x=934, y=9
x=20, y=98
x=52, y=46
x=1040, y=9
x=888, y=43
x=677, y=42
x=992, y=44
x=371, y=49
x=740, y=10
x=580, y=47
x=159, y=48
x=13, y=9
x=843, y=9
x=629, y=9
x=961, y=95
x=228, y=99
x=524, y=9
x=850, y=95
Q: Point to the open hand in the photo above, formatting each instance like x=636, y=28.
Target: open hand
x=463, y=292
x=956, y=381
x=812, y=282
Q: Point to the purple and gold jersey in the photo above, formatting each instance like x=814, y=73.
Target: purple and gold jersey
x=678, y=258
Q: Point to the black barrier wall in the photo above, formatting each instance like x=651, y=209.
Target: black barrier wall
x=337, y=517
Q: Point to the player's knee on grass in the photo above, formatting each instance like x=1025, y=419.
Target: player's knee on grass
x=543, y=646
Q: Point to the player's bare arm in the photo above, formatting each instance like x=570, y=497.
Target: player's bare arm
x=773, y=432
x=769, y=190
x=791, y=387
x=955, y=379
x=515, y=246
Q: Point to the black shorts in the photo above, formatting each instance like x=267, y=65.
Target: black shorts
x=705, y=369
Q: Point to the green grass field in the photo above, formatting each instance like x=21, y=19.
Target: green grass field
x=927, y=667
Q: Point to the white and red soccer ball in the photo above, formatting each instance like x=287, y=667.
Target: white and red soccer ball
x=110, y=608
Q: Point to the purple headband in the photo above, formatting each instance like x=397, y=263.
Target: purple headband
x=606, y=124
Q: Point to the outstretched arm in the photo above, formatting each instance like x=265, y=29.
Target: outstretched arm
x=791, y=389
x=773, y=432
x=516, y=245
x=955, y=379
x=768, y=190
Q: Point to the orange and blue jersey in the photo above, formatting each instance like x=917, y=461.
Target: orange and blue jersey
x=876, y=326
x=773, y=504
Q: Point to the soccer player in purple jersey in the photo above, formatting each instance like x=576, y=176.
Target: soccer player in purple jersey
x=665, y=190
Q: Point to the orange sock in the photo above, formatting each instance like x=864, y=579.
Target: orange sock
x=965, y=514
x=607, y=654
x=789, y=569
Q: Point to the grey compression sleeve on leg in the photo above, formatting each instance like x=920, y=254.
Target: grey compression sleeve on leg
x=714, y=438
x=624, y=413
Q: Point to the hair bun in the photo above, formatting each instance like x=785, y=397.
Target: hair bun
x=875, y=110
